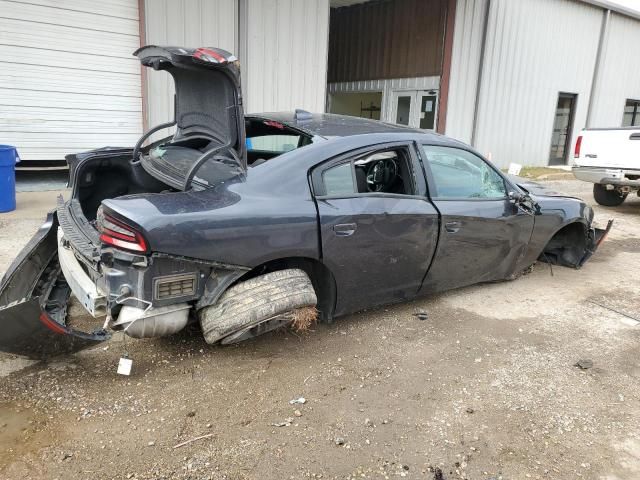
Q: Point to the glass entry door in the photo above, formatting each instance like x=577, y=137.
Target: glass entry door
x=562, y=128
x=427, y=111
x=403, y=103
x=414, y=108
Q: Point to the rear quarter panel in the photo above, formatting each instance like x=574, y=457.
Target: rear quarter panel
x=223, y=225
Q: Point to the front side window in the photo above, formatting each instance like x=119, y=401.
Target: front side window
x=631, y=117
x=385, y=171
x=461, y=174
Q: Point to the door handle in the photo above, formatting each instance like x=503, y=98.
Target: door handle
x=452, y=227
x=345, y=229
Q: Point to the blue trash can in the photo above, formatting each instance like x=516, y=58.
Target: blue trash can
x=8, y=159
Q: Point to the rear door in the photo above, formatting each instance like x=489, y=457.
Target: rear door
x=379, y=230
x=483, y=233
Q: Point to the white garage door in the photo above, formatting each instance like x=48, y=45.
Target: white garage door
x=68, y=81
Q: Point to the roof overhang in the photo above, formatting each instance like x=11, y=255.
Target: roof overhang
x=615, y=7
x=345, y=3
x=606, y=4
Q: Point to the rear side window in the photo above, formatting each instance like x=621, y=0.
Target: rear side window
x=385, y=171
x=460, y=174
x=338, y=180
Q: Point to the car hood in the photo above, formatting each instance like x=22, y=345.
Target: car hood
x=208, y=99
x=536, y=188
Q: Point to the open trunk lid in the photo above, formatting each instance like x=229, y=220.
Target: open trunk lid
x=208, y=107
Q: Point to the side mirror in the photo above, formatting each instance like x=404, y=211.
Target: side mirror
x=524, y=203
x=517, y=197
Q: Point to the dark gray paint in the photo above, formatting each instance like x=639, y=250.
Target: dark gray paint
x=399, y=247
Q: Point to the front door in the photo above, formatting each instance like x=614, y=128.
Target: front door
x=379, y=231
x=414, y=108
x=562, y=128
x=483, y=235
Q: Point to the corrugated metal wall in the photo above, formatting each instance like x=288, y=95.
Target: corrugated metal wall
x=619, y=72
x=68, y=82
x=465, y=61
x=534, y=50
x=191, y=23
x=285, y=58
x=386, y=39
x=386, y=87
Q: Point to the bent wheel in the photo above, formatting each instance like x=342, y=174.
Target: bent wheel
x=257, y=306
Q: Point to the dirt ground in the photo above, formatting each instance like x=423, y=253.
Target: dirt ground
x=485, y=388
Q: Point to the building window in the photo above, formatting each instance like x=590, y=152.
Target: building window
x=631, y=117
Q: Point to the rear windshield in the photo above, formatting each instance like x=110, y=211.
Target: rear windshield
x=175, y=160
x=267, y=139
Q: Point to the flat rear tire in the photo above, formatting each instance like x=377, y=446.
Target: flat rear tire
x=256, y=306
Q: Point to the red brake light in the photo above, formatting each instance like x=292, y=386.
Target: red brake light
x=576, y=154
x=118, y=234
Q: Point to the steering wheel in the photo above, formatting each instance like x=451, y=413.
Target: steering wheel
x=381, y=175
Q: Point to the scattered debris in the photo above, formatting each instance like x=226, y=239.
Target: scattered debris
x=300, y=400
x=584, y=364
x=339, y=441
x=201, y=437
x=286, y=423
x=304, y=318
x=421, y=315
x=437, y=474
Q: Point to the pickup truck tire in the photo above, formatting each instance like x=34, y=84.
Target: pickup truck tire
x=607, y=198
x=264, y=299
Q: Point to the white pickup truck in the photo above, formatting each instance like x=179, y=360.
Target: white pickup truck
x=610, y=159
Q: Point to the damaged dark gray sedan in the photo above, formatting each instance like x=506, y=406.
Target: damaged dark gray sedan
x=249, y=223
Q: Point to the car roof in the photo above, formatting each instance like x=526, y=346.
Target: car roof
x=331, y=125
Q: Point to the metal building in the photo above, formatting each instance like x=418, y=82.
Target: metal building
x=526, y=76
x=517, y=79
x=69, y=82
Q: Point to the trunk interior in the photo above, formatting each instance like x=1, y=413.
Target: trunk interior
x=101, y=178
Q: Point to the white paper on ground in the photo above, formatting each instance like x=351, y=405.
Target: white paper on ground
x=124, y=366
x=514, y=169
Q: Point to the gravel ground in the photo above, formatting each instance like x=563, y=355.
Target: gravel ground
x=485, y=388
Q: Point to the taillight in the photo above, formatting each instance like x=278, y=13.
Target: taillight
x=119, y=234
x=576, y=154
